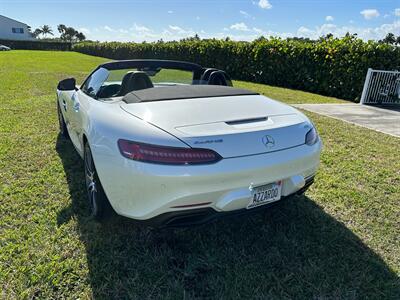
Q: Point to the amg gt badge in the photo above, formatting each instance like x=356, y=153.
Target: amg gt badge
x=208, y=141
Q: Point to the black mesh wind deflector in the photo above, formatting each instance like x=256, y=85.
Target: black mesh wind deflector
x=180, y=92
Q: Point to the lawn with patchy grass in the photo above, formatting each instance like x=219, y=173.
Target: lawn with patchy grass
x=340, y=241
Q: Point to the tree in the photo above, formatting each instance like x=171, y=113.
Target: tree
x=30, y=31
x=70, y=34
x=327, y=37
x=351, y=35
x=37, y=32
x=80, y=36
x=261, y=39
x=389, y=39
x=61, y=28
x=45, y=30
x=195, y=38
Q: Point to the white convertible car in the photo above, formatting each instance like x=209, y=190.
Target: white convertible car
x=172, y=143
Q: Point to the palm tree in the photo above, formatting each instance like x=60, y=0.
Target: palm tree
x=37, y=32
x=46, y=29
x=69, y=34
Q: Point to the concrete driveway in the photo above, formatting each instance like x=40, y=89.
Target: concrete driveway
x=379, y=119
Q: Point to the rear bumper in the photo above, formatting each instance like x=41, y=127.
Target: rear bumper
x=194, y=217
x=143, y=191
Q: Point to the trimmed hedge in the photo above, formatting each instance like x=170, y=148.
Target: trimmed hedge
x=333, y=67
x=36, y=45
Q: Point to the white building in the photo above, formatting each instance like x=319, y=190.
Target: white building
x=13, y=30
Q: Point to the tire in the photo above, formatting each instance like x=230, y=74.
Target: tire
x=100, y=208
x=61, y=123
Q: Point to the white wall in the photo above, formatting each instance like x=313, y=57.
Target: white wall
x=6, y=29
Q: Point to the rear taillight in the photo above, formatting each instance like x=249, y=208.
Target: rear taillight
x=311, y=137
x=167, y=155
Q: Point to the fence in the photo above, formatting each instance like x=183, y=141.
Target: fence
x=381, y=88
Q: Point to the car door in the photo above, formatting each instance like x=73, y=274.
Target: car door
x=80, y=103
x=64, y=98
x=73, y=112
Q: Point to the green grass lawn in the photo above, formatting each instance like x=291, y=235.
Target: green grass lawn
x=287, y=95
x=340, y=241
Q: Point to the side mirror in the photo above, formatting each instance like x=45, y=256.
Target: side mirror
x=67, y=84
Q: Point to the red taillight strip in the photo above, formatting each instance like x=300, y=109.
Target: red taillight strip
x=191, y=205
x=166, y=155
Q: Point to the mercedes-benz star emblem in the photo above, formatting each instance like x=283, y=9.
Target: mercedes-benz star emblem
x=268, y=141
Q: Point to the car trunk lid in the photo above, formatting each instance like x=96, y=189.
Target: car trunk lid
x=232, y=126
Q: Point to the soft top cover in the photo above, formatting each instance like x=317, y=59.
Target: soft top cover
x=183, y=92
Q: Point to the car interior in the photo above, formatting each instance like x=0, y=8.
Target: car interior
x=140, y=80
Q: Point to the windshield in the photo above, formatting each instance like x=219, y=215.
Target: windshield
x=119, y=78
x=105, y=83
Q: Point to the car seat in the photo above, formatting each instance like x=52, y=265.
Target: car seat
x=134, y=81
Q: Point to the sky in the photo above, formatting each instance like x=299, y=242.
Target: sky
x=151, y=20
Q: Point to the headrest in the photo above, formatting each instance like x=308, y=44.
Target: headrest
x=134, y=81
x=217, y=78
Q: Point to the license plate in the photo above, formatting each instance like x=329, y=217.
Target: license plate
x=264, y=194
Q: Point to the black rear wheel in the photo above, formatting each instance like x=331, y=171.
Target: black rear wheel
x=100, y=207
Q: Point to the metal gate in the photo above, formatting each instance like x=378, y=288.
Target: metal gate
x=381, y=88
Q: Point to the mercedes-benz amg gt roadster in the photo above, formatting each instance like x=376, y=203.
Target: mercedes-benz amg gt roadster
x=172, y=143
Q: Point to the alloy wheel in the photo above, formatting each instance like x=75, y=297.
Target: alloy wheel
x=91, y=182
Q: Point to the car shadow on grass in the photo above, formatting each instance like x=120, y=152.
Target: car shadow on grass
x=292, y=250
